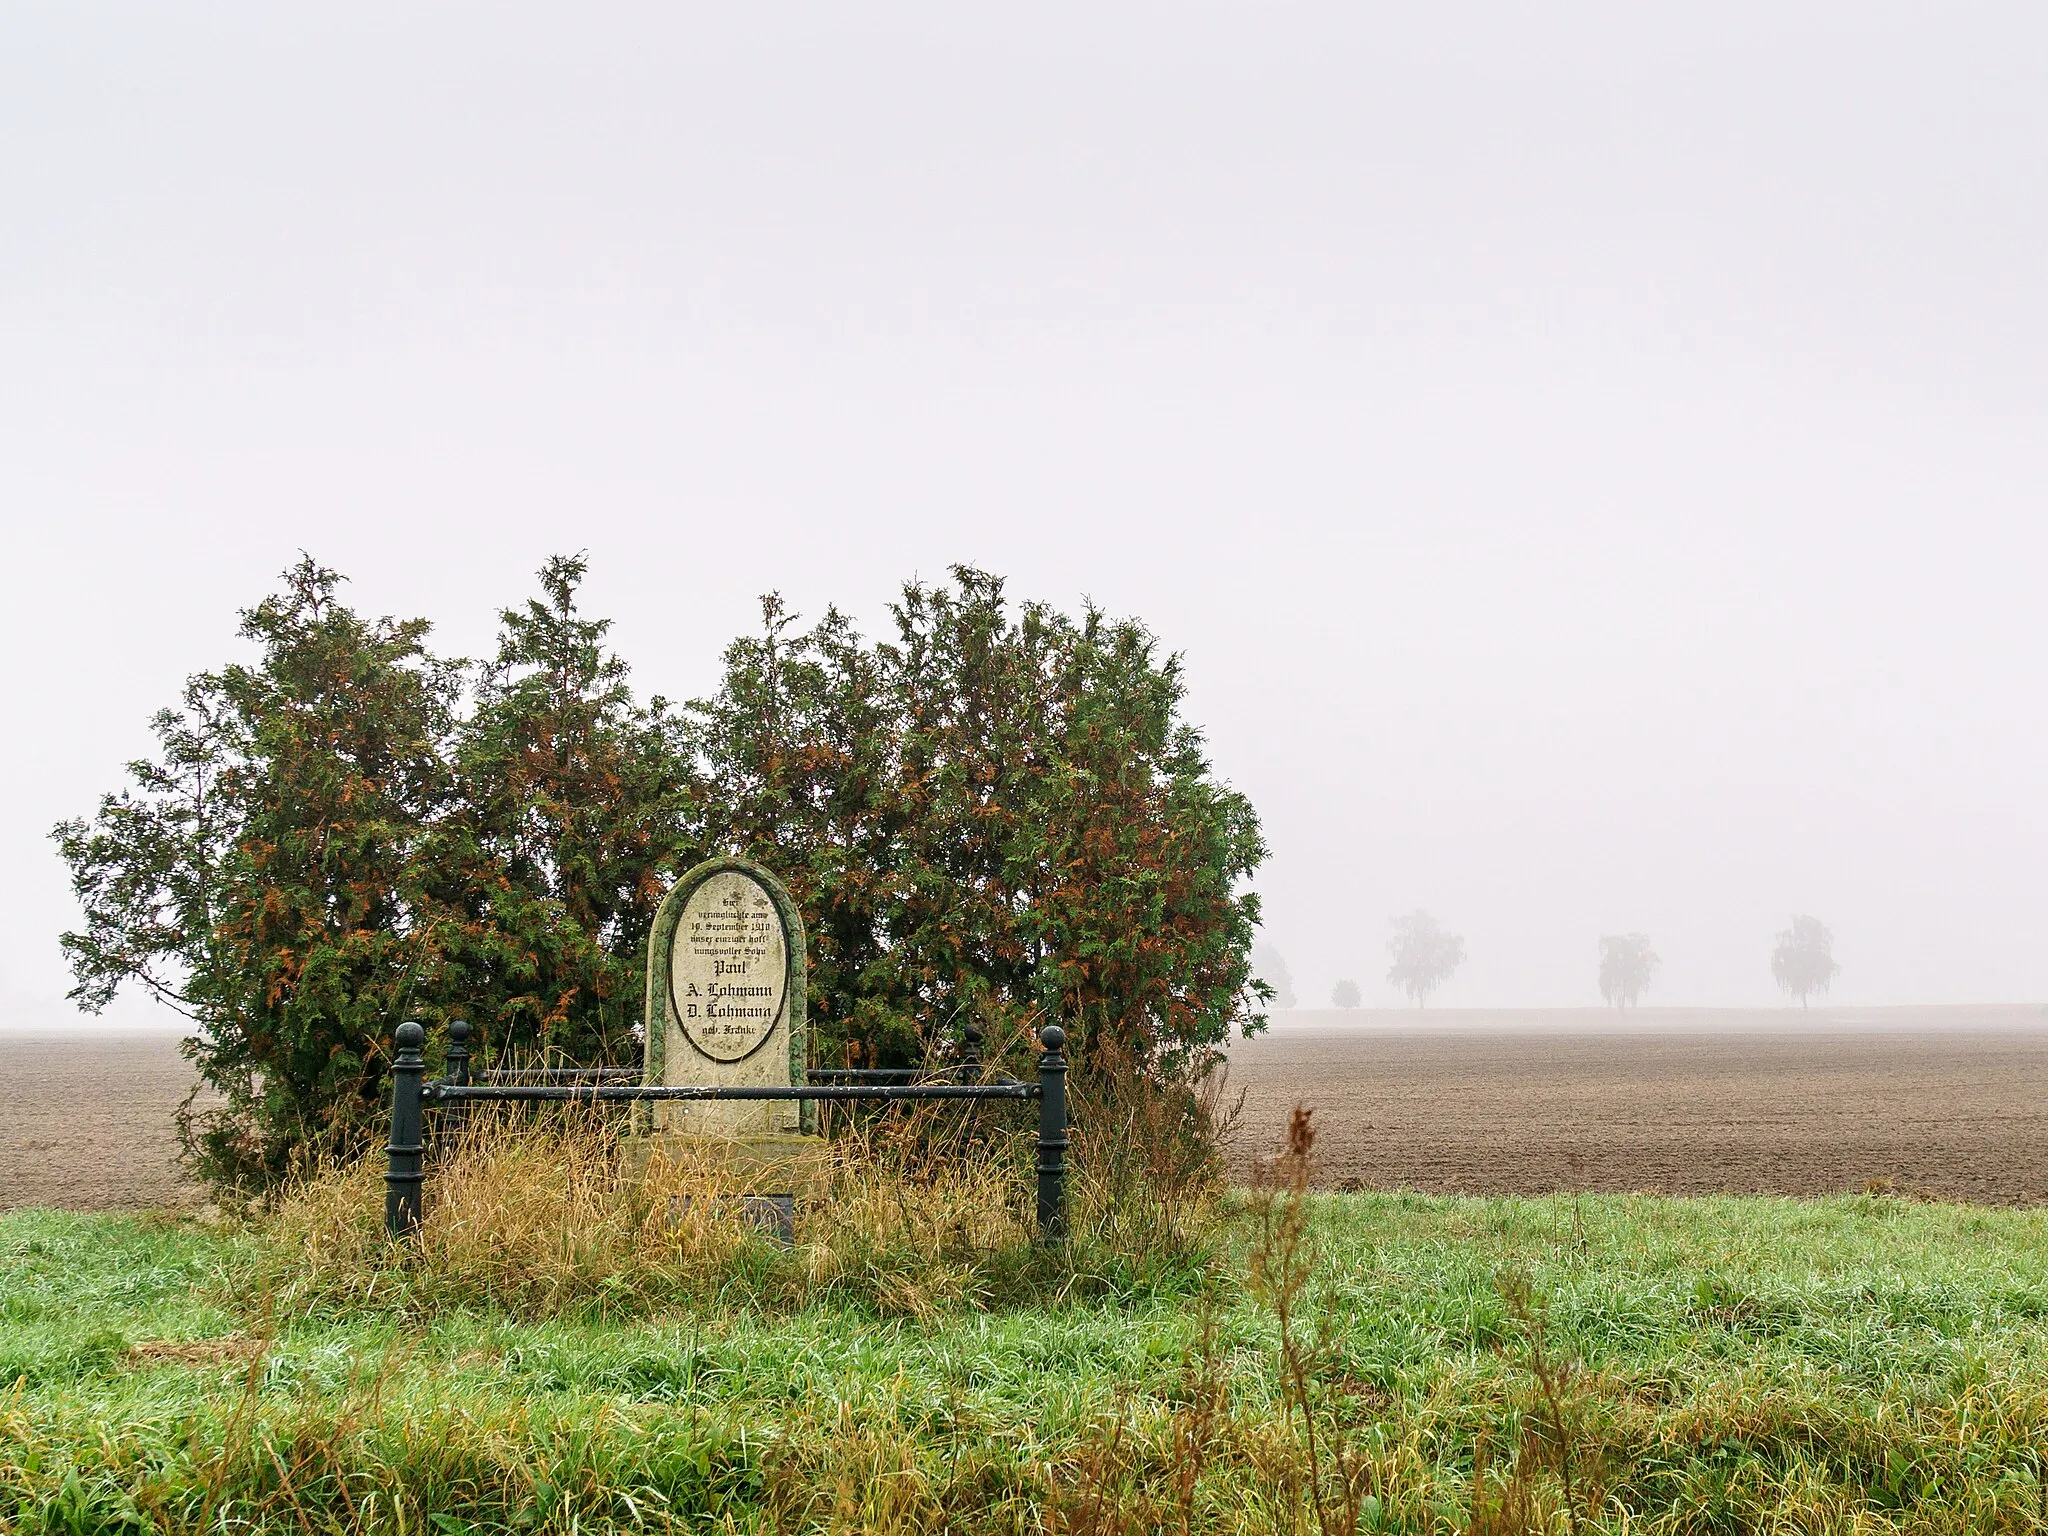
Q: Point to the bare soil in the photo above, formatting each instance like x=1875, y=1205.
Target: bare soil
x=86, y=1122
x=1948, y=1103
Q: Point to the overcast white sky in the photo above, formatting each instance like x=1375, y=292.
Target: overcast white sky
x=1592, y=457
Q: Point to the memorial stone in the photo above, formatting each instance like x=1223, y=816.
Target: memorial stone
x=725, y=1007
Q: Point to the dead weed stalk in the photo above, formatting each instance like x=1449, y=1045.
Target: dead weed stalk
x=1338, y=1471
x=1560, y=1433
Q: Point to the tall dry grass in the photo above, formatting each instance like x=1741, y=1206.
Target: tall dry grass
x=542, y=1217
x=1148, y=1174
x=917, y=1210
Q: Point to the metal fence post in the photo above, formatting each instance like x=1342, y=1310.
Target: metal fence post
x=402, y=1171
x=968, y=1069
x=454, y=1118
x=1052, y=1134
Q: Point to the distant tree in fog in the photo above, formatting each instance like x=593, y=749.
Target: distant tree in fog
x=1804, y=960
x=1270, y=968
x=1425, y=954
x=1626, y=965
x=1344, y=995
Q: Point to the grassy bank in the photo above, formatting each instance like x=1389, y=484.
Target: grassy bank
x=1616, y=1363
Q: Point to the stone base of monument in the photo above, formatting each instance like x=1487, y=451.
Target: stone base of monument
x=760, y=1164
x=725, y=1009
x=767, y=1173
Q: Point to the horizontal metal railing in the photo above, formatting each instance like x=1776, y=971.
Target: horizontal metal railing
x=630, y=1093
x=499, y=1077
x=411, y=1095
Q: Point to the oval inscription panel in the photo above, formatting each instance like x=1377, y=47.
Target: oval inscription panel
x=728, y=969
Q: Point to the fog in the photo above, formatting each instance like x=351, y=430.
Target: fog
x=1591, y=458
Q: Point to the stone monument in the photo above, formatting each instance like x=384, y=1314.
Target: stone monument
x=725, y=1008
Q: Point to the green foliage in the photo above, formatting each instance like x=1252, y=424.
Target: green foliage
x=266, y=877
x=989, y=815
x=992, y=815
x=329, y=844
x=576, y=808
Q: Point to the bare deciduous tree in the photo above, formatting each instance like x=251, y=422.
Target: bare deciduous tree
x=1425, y=955
x=1626, y=965
x=1271, y=967
x=1804, y=960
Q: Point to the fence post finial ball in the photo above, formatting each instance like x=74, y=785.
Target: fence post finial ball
x=411, y=1036
x=458, y=1030
x=1052, y=1037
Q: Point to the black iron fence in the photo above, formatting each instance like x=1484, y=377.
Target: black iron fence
x=412, y=1093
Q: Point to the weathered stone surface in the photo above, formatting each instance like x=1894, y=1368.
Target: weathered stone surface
x=792, y=1164
x=725, y=1002
x=728, y=978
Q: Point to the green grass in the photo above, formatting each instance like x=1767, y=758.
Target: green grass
x=1858, y=1364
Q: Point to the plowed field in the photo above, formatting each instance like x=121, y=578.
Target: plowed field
x=1951, y=1103
x=86, y=1122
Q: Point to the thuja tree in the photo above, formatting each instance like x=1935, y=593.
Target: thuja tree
x=327, y=843
x=264, y=874
x=574, y=809
x=799, y=749
x=993, y=812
